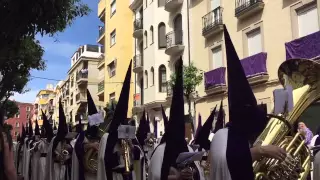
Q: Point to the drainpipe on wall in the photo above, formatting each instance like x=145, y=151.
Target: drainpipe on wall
x=135, y=53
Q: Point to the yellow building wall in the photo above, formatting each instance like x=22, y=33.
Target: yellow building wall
x=122, y=50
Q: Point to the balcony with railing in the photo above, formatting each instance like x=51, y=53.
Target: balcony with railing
x=215, y=81
x=81, y=97
x=101, y=88
x=255, y=68
x=172, y=5
x=101, y=8
x=82, y=77
x=245, y=8
x=138, y=28
x=212, y=22
x=101, y=37
x=137, y=102
x=174, y=42
x=138, y=63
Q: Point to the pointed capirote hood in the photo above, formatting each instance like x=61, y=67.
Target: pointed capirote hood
x=165, y=118
x=120, y=116
x=62, y=127
x=246, y=119
x=37, y=129
x=148, y=124
x=43, y=132
x=155, y=127
x=174, y=136
x=47, y=128
x=142, y=131
x=79, y=126
x=92, y=131
x=198, y=127
x=23, y=134
x=220, y=119
x=30, y=129
x=244, y=114
x=202, y=138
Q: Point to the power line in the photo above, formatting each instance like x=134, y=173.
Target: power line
x=91, y=83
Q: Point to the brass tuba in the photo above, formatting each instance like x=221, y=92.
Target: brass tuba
x=303, y=75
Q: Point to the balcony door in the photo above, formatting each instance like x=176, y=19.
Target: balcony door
x=215, y=4
x=178, y=29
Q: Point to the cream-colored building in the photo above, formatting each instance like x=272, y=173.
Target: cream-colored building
x=44, y=102
x=82, y=75
x=264, y=33
x=160, y=37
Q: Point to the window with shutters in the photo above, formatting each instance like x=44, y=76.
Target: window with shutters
x=162, y=41
x=217, y=60
x=162, y=79
x=145, y=39
x=254, y=42
x=113, y=7
x=308, y=21
x=112, y=69
x=113, y=38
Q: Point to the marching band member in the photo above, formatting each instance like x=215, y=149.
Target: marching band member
x=230, y=155
x=26, y=161
x=45, y=139
x=35, y=154
x=59, y=150
x=118, y=165
x=163, y=160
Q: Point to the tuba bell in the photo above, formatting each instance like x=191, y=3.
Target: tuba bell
x=303, y=75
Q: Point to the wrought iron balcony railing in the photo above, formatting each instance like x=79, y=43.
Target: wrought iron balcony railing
x=174, y=38
x=242, y=5
x=101, y=31
x=212, y=19
x=100, y=86
x=138, y=24
x=137, y=61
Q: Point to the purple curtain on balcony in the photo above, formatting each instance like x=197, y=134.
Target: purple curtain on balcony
x=304, y=47
x=255, y=65
x=215, y=77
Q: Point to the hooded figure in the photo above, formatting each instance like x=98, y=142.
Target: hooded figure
x=27, y=155
x=197, y=131
x=142, y=134
x=110, y=158
x=42, y=148
x=86, y=140
x=19, y=152
x=58, y=164
x=230, y=155
x=35, y=154
x=173, y=141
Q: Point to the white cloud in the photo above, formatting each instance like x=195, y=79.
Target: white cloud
x=59, y=48
x=28, y=97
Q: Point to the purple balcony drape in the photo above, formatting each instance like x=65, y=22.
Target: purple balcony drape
x=304, y=47
x=255, y=65
x=215, y=77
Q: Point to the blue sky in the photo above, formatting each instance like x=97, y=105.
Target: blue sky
x=60, y=48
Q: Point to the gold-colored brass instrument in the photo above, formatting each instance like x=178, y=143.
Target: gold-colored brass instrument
x=303, y=75
x=64, y=154
x=91, y=160
x=126, y=157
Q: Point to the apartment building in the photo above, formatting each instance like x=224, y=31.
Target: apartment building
x=160, y=37
x=116, y=37
x=82, y=75
x=264, y=33
x=21, y=118
x=44, y=102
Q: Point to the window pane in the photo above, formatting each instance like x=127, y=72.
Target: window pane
x=254, y=42
x=162, y=36
x=93, y=48
x=308, y=21
x=113, y=7
x=217, y=58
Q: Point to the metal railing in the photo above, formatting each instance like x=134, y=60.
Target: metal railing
x=138, y=24
x=212, y=19
x=81, y=96
x=81, y=75
x=137, y=61
x=101, y=31
x=137, y=101
x=174, y=38
x=101, y=86
x=242, y=5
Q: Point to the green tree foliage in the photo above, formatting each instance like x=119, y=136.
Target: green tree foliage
x=192, y=77
x=19, y=51
x=11, y=108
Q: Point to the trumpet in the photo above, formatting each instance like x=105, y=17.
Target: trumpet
x=126, y=157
